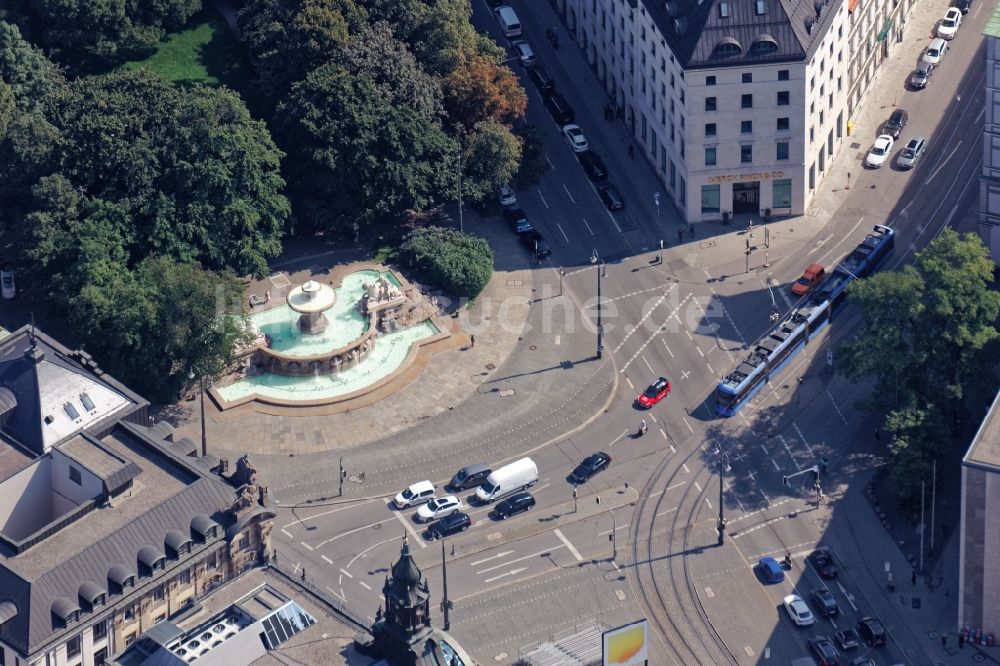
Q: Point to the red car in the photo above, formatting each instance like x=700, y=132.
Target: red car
x=656, y=392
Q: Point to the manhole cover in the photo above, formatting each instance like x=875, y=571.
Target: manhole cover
x=855, y=146
x=532, y=347
x=490, y=366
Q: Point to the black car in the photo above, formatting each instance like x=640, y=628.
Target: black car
x=897, y=121
x=964, y=5
x=822, y=559
x=470, y=476
x=592, y=165
x=560, y=109
x=825, y=603
x=451, y=524
x=513, y=505
x=536, y=243
x=611, y=197
x=590, y=466
x=824, y=651
x=542, y=79
x=517, y=219
x=872, y=631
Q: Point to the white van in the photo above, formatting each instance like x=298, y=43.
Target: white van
x=518, y=475
x=509, y=22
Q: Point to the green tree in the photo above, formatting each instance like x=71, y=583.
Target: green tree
x=31, y=76
x=533, y=163
x=459, y=263
x=491, y=158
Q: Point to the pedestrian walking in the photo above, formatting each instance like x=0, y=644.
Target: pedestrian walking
x=267, y=296
x=680, y=235
x=274, y=556
x=961, y=641
x=631, y=150
x=453, y=550
x=691, y=230
x=944, y=640
x=472, y=341
x=913, y=577
x=878, y=434
x=303, y=574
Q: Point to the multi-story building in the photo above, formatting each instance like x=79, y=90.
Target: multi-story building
x=107, y=526
x=989, y=180
x=740, y=104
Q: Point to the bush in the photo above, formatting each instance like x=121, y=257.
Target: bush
x=458, y=263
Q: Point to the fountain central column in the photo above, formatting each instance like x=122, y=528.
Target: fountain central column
x=311, y=300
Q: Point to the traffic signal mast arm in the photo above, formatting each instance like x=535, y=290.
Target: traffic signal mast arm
x=814, y=470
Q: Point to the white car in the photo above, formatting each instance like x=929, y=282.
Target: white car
x=524, y=53
x=949, y=24
x=798, y=611
x=439, y=507
x=418, y=493
x=879, y=152
x=577, y=141
x=935, y=51
x=7, y=282
x=507, y=196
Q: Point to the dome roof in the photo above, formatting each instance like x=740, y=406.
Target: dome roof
x=405, y=571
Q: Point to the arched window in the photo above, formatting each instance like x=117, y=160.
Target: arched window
x=727, y=48
x=763, y=45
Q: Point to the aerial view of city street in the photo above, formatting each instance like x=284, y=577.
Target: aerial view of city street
x=524, y=332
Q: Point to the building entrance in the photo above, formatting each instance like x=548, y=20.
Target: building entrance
x=746, y=197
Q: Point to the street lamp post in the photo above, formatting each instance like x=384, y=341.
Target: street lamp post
x=723, y=465
x=602, y=272
x=201, y=388
x=614, y=532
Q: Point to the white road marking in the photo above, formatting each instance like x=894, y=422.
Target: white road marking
x=790, y=454
x=307, y=545
x=559, y=226
x=698, y=486
x=325, y=513
x=672, y=449
x=326, y=559
x=540, y=196
x=287, y=533
x=568, y=193
x=353, y=559
x=365, y=585
x=334, y=593
x=512, y=572
x=557, y=340
x=708, y=503
x=620, y=527
x=821, y=243
x=803, y=438
x=647, y=363
x=942, y=163
x=614, y=221
x=685, y=374
x=665, y=346
x=630, y=384
x=711, y=370
x=570, y=546
x=690, y=429
x=588, y=226
x=663, y=432
x=775, y=464
x=848, y=234
x=616, y=439
x=492, y=557
x=686, y=470
x=663, y=513
x=409, y=528
x=346, y=573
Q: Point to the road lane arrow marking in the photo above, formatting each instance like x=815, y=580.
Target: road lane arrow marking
x=493, y=557
x=512, y=572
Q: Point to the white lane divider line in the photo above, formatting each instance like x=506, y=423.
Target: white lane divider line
x=620, y=527
x=708, y=503
x=618, y=438
x=588, y=226
x=287, y=533
x=512, y=572
x=790, y=454
x=663, y=432
x=568, y=194
x=659, y=330
x=663, y=513
x=307, y=545
x=647, y=363
x=690, y=429
x=686, y=470
x=836, y=407
x=540, y=196
x=698, y=486
x=667, y=347
x=644, y=318
x=327, y=560
x=631, y=386
x=492, y=557
x=346, y=573
x=732, y=323
x=613, y=221
x=334, y=593
x=803, y=438
x=409, y=528
x=559, y=226
x=569, y=546
x=365, y=585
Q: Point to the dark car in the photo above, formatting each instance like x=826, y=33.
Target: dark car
x=517, y=219
x=963, y=5
x=611, y=197
x=450, y=524
x=513, y=505
x=560, y=109
x=536, y=243
x=921, y=75
x=824, y=651
x=825, y=603
x=847, y=639
x=863, y=661
x=897, y=121
x=872, y=631
x=656, y=392
x=542, y=79
x=822, y=559
x=771, y=570
x=590, y=466
x=592, y=165
x=470, y=476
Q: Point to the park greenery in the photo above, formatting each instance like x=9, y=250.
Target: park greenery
x=458, y=263
x=930, y=346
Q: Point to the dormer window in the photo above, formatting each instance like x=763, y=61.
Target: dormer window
x=723, y=10
x=88, y=404
x=759, y=7
x=71, y=411
x=727, y=48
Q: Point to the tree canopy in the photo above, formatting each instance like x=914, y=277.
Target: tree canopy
x=461, y=264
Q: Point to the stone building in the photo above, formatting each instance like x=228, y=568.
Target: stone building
x=989, y=179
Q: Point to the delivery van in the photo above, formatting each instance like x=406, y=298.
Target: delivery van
x=509, y=479
x=508, y=20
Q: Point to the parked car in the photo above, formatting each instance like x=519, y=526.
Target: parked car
x=524, y=53
x=577, y=141
x=559, y=108
x=7, y=287
x=469, y=476
x=771, y=570
x=452, y=524
x=536, y=243
x=863, y=661
x=517, y=219
x=439, y=507
x=507, y=196
x=824, y=651
x=822, y=559
x=541, y=78
x=948, y=26
x=911, y=153
x=811, y=278
x=897, y=121
x=872, y=630
x=611, y=197
x=418, y=493
x=847, y=639
x=513, y=505
x=593, y=166
x=964, y=5
x=797, y=610
x=879, y=151
x=509, y=479
x=935, y=51
x=825, y=603
x=590, y=466
x=654, y=393
x=921, y=75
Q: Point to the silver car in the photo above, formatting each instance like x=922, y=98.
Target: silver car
x=921, y=75
x=911, y=153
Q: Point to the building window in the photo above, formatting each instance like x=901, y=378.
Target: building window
x=758, y=7
x=782, y=74
x=747, y=77
x=159, y=618
x=746, y=101
x=710, y=197
x=74, y=476
x=710, y=104
x=158, y=593
x=710, y=156
x=73, y=647
x=130, y=612
x=812, y=83
x=100, y=630
x=213, y=561
x=783, y=98
x=185, y=577
x=129, y=638
x=746, y=127
x=709, y=80
x=723, y=10
x=682, y=96
x=782, y=124
x=101, y=657
x=782, y=150
x=822, y=118
x=812, y=134
x=746, y=153
x=781, y=193
x=709, y=129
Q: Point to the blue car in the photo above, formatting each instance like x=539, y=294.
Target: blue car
x=771, y=570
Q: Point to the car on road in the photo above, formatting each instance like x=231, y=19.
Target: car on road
x=513, y=505
x=879, y=151
x=824, y=602
x=7, y=288
x=812, y=276
x=507, y=196
x=948, y=26
x=911, y=152
x=590, y=466
x=451, y=524
x=863, y=661
x=592, y=166
x=824, y=651
x=897, y=121
x=577, y=141
x=439, y=507
x=921, y=75
x=536, y=243
x=542, y=79
x=771, y=570
x=517, y=219
x=797, y=610
x=847, y=639
x=654, y=393
x=964, y=5
x=469, y=476
x=418, y=493
x=822, y=559
x=872, y=630
x=560, y=109
x=611, y=197
x=935, y=51
x=524, y=53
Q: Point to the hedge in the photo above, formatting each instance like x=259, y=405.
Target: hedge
x=458, y=263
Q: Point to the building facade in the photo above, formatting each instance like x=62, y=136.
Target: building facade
x=739, y=104
x=989, y=179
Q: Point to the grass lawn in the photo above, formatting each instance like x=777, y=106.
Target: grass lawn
x=203, y=52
